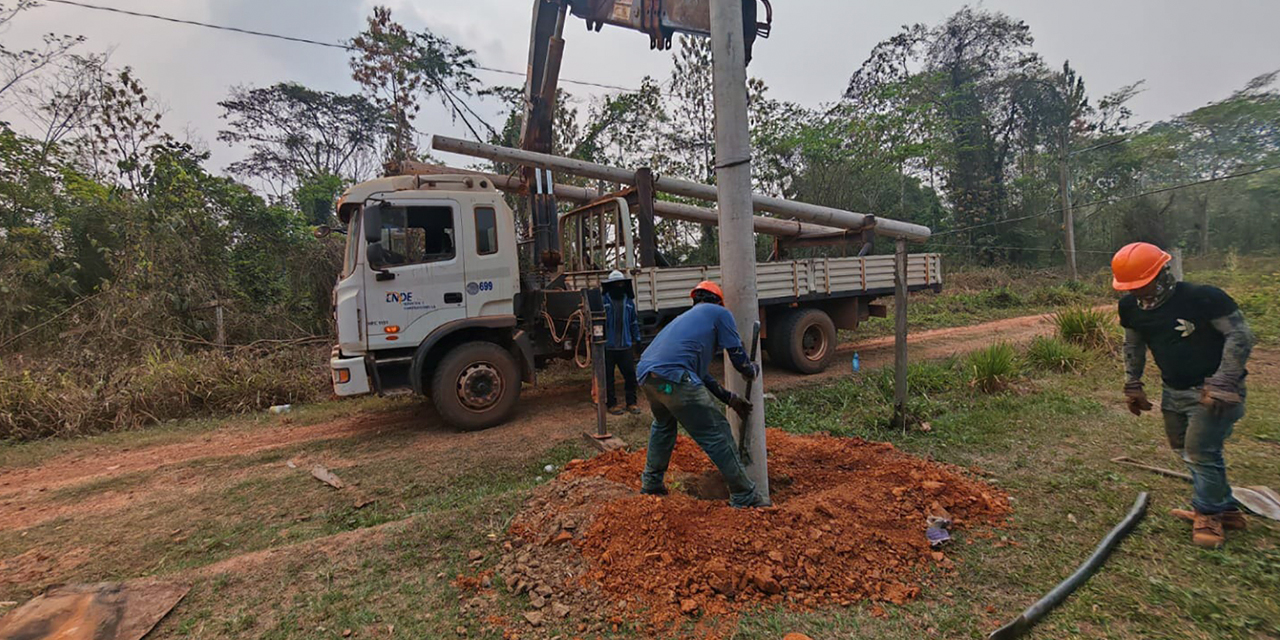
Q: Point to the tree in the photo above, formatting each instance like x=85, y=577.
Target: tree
x=964, y=75
x=63, y=103
x=296, y=135
x=125, y=128
x=17, y=66
x=399, y=67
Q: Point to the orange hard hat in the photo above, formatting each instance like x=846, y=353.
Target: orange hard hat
x=1136, y=265
x=709, y=287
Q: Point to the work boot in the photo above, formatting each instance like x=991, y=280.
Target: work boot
x=657, y=491
x=1231, y=520
x=614, y=411
x=1206, y=531
x=757, y=502
x=633, y=410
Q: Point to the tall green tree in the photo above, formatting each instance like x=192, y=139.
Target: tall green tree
x=965, y=74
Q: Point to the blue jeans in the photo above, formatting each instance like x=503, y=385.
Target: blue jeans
x=690, y=404
x=1196, y=434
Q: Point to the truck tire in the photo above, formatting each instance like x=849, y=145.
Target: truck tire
x=803, y=340
x=476, y=385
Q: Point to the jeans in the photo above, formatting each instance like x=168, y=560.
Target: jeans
x=692, y=406
x=1196, y=434
x=625, y=361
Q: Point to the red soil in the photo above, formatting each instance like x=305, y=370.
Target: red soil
x=848, y=525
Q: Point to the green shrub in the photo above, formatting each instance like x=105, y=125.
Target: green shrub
x=1090, y=328
x=1002, y=298
x=922, y=377
x=992, y=368
x=1058, y=295
x=1053, y=354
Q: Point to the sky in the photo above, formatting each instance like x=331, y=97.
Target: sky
x=1189, y=52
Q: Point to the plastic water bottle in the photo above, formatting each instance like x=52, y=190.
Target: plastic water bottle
x=857, y=365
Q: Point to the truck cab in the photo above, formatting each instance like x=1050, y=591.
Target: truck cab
x=430, y=266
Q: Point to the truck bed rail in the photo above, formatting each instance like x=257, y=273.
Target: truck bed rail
x=665, y=288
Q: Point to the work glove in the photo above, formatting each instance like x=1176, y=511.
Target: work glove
x=752, y=372
x=1219, y=396
x=1136, y=398
x=740, y=406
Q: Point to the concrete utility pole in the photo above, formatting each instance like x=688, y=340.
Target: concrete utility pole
x=1068, y=218
x=734, y=197
x=812, y=213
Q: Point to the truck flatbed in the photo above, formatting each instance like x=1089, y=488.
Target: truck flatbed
x=665, y=289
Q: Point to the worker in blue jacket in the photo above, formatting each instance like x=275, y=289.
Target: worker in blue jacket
x=622, y=338
x=675, y=378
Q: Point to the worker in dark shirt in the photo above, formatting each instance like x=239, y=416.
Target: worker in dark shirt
x=1201, y=343
x=621, y=337
x=675, y=379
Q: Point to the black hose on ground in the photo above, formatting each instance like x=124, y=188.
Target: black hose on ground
x=1035, y=612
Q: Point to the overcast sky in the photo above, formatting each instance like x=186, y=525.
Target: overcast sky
x=1190, y=52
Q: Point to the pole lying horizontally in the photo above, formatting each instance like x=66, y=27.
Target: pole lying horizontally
x=673, y=210
x=737, y=242
x=799, y=210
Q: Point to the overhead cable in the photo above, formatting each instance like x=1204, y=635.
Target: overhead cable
x=319, y=43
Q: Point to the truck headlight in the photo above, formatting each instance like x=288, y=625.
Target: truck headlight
x=341, y=376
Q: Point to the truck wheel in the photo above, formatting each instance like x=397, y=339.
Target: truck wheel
x=476, y=385
x=804, y=340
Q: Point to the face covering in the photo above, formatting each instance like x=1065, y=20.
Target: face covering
x=1161, y=289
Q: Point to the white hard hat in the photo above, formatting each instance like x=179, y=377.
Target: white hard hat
x=615, y=276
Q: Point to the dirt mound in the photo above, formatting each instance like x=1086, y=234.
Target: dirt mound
x=848, y=525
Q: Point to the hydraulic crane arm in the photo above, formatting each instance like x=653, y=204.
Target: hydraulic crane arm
x=659, y=19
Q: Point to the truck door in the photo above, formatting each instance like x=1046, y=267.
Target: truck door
x=414, y=282
x=492, y=271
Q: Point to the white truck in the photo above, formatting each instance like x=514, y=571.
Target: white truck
x=433, y=298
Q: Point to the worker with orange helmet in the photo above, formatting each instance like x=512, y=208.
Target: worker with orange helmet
x=674, y=376
x=1201, y=343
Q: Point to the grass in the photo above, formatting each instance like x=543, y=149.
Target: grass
x=974, y=295
x=1087, y=327
x=1054, y=354
x=386, y=570
x=1050, y=448
x=992, y=368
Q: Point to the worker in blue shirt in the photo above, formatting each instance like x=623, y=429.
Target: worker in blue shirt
x=673, y=373
x=621, y=338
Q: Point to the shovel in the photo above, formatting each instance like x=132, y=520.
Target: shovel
x=1257, y=499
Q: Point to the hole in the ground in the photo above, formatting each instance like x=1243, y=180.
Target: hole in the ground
x=710, y=485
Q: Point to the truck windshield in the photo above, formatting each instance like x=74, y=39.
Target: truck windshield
x=413, y=235
x=349, y=257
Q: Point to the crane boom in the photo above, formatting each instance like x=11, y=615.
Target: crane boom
x=660, y=19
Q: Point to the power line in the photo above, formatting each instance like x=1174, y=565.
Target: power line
x=319, y=43
x=1011, y=248
x=1103, y=201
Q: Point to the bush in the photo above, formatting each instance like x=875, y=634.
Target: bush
x=922, y=378
x=1089, y=328
x=1058, y=295
x=1052, y=354
x=40, y=403
x=1002, y=298
x=991, y=369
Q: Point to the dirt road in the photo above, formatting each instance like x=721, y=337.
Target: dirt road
x=548, y=414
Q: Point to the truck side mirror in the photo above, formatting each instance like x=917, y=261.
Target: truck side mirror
x=372, y=223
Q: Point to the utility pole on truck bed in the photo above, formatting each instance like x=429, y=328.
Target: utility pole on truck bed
x=737, y=237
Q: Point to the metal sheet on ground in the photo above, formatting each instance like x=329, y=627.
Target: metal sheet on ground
x=102, y=611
